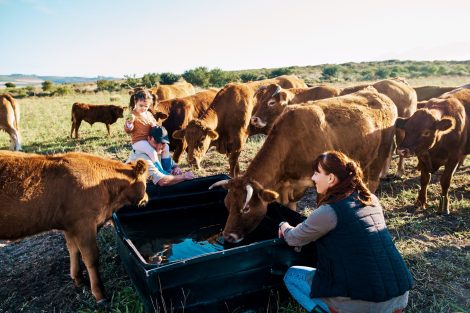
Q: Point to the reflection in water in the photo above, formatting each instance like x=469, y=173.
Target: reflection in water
x=161, y=250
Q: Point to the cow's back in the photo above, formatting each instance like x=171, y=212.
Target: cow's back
x=166, y=92
x=428, y=92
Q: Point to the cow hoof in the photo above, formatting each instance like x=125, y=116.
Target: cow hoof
x=420, y=204
x=78, y=282
x=444, y=205
x=102, y=303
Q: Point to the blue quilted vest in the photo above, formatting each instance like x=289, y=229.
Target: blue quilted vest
x=358, y=259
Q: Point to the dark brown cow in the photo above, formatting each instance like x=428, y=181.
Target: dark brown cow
x=73, y=192
x=177, y=90
x=360, y=125
x=272, y=100
x=404, y=97
x=438, y=134
x=177, y=113
x=94, y=113
x=427, y=92
x=225, y=123
x=10, y=120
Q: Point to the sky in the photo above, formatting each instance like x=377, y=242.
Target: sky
x=118, y=37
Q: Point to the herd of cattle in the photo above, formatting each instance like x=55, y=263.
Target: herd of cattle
x=367, y=122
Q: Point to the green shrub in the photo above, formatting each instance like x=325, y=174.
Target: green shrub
x=131, y=81
x=330, y=71
x=248, y=77
x=280, y=71
x=47, y=85
x=169, y=78
x=382, y=73
x=199, y=76
x=63, y=90
x=108, y=85
x=219, y=78
x=151, y=79
x=10, y=85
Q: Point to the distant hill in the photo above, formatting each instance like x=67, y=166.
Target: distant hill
x=34, y=80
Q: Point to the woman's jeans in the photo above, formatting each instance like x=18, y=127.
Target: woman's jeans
x=298, y=280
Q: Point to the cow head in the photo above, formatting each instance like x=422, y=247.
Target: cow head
x=118, y=112
x=136, y=193
x=271, y=102
x=247, y=202
x=422, y=130
x=198, y=137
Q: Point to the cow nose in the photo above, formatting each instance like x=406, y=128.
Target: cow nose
x=232, y=238
x=404, y=152
x=144, y=200
x=255, y=120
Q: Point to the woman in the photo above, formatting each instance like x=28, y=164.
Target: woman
x=359, y=268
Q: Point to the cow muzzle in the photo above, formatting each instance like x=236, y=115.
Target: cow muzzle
x=404, y=152
x=232, y=238
x=257, y=122
x=144, y=201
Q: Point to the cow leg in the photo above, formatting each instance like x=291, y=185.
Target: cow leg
x=75, y=269
x=76, y=125
x=399, y=136
x=449, y=170
x=233, y=162
x=180, y=146
x=108, y=129
x=15, y=142
x=425, y=179
x=86, y=241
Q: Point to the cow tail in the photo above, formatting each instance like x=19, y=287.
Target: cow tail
x=16, y=110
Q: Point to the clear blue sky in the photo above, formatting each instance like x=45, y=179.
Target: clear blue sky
x=119, y=37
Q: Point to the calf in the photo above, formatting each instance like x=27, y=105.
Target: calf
x=439, y=135
x=10, y=120
x=73, y=192
x=93, y=113
x=177, y=113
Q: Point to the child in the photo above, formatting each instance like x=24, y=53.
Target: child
x=139, y=123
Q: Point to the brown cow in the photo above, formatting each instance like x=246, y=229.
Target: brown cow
x=225, y=123
x=10, y=120
x=73, y=192
x=177, y=113
x=177, y=90
x=404, y=97
x=361, y=125
x=272, y=100
x=427, y=92
x=93, y=113
x=438, y=134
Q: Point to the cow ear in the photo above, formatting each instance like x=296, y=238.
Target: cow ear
x=161, y=116
x=283, y=98
x=401, y=122
x=268, y=195
x=446, y=125
x=212, y=133
x=421, y=104
x=140, y=168
x=179, y=134
x=131, y=92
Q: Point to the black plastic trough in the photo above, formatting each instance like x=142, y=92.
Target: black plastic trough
x=174, y=255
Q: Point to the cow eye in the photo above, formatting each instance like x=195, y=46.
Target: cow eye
x=426, y=133
x=271, y=102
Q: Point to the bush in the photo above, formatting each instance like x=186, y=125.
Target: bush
x=108, y=85
x=219, y=78
x=199, y=76
x=280, y=71
x=47, y=85
x=115, y=98
x=382, y=73
x=63, y=90
x=329, y=72
x=10, y=85
x=248, y=77
x=169, y=78
x=131, y=82
x=151, y=79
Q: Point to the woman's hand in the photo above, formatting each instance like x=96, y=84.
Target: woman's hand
x=176, y=171
x=282, y=228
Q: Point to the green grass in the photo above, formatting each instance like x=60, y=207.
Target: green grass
x=436, y=247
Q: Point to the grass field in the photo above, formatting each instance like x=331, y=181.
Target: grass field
x=34, y=271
